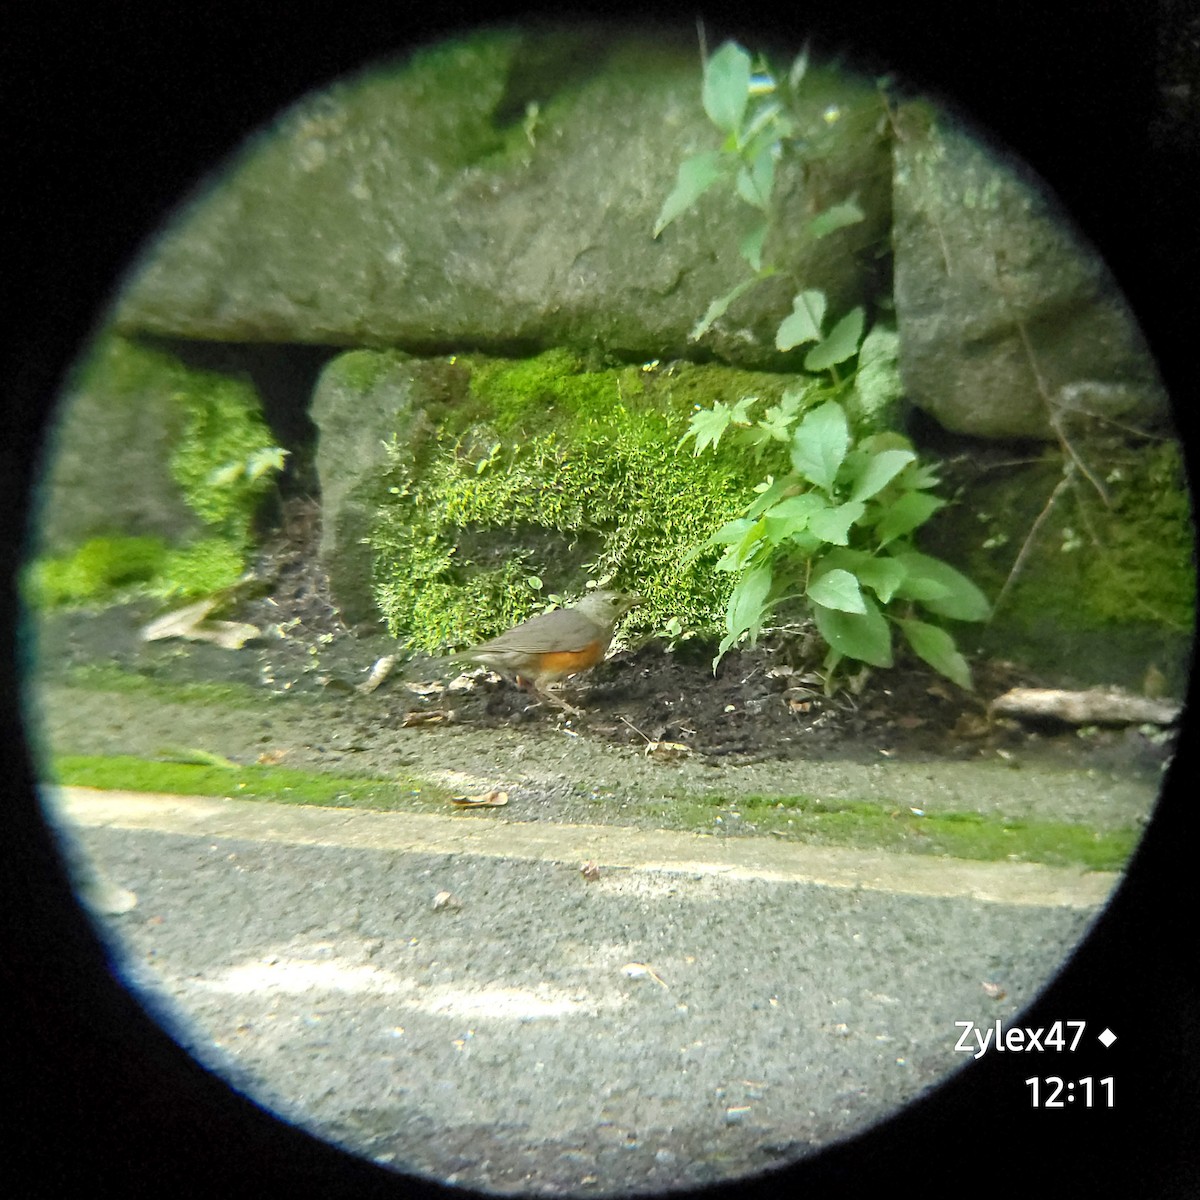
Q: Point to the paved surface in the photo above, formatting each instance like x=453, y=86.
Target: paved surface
x=450, y=995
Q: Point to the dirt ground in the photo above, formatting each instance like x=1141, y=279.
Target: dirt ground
x=763, y=705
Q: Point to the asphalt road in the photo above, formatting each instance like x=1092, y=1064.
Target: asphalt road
x=454, y=997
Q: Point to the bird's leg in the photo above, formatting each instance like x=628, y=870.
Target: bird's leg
x=552, y=698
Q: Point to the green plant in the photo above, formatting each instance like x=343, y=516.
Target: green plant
x=834, y=531
x=224, y=459
x=750, y=108
x=95, y=572
x=832, y=528
x=552, y=471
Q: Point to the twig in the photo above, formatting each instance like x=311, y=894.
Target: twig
x=1052, y=412
x=1031, y=537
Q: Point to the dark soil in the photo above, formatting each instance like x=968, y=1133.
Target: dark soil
x=761, y=704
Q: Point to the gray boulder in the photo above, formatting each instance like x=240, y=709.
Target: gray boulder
x=107, y=460
x=500, y=193
x=362, y=403
x=980, y=252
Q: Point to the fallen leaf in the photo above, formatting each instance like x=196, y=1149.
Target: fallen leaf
x=229, y=635
x=446, y=900
x=590, y=871
x=666, y=751
x=379, y=672
x=972, y=725
x=493, y=799
x=635, y=970
x=170, y=624
x=433, y=688
x=438, y=716
x=995, y=990
x=192, y=624
x=268, y=758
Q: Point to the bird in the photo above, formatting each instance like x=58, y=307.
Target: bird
x=555, y=645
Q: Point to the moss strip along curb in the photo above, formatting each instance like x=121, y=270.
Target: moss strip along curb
x=488, y=835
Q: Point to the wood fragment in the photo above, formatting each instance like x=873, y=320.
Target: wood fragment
x=1097, y=706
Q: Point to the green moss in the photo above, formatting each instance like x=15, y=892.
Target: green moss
x=99, y=571
x=558, y=474
x=200, y=568
x=518, y=394
x=279, y=784
x=220, y=455
x=1105, y=590
x=127, y=368
x=879, y=826
x=1145, y=568
x=361, y=370
x=217, y=461
x=1098, y=566
x=104, y=677
x=862, y=825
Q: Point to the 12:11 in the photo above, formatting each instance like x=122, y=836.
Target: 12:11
x=1059, y=1092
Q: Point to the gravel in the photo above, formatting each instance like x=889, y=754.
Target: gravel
x=537, y=1032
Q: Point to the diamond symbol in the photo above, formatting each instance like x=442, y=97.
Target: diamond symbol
x=1108, y=1037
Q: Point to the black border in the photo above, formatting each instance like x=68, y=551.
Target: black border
x=114, y=113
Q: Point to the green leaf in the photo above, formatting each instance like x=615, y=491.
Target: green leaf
x=756, y=181
x=803, y=324
x=748, y=603
x=961, y=599
x=270, y=458
x=790, y=516
x=731, y=531
x=225, y=475
x=736, y=557
x=887, y=439
x=836, y=217
x=797, y=508
x=837, y=589
x=696, y=175
x=751, y=246
x=820, y=443
x=832, y=524
x=707, y=426
x=921, y=475
x=775, y=490
x=882, y=575
x=936, y=647
x=778, y=420
x=727, y=87
x=840, y=345
x=716, y=310
x=799, y=69
x=922, y=590
x=776, y=423
x=863, y=636
x=877, y=380
x=880, y=470
x=910, y=512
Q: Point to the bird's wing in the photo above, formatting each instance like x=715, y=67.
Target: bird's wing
x=564, y=629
